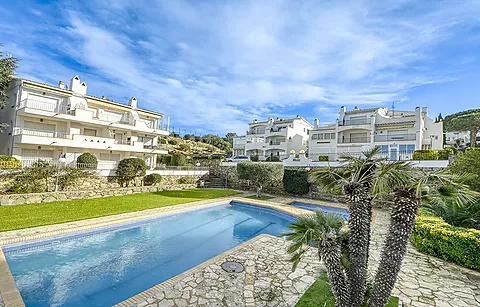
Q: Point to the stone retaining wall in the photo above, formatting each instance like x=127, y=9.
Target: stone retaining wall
x=18, y=199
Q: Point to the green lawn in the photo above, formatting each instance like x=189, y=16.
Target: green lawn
x=319, y=294
x=260, y=198
x=25, y=216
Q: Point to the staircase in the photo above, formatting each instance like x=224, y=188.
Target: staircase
x=215, y=182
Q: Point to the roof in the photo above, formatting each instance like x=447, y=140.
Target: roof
x=70, y=92
x=288, y=120
x=362, y=110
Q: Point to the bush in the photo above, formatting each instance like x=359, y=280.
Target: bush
x=172, y=142
x=455, y=213
x=295, y=181
x=152, y=179
x=468, y=162
x=254, y=158
x=322, y=158
x=87, y=161
x=9, y=162
x=130, y=168
x=433, y=236
x=69, y=175
x=184, y=147
x=444, y=153
x=260, y=174
x=425, y=155
x=178, y=160
x=273, y=159
x=34, y=179
x=166, y=159
x=187, y=180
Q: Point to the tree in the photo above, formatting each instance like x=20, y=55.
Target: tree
x=7, y=66
x=362, y=179
x=260, y=174
x=87, y=161
x=324, y=232
x=466, y=122
x=468, y=162
x=130, y=168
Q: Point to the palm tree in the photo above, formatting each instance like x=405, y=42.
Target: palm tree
x=417, y=185
x=357, y=178
x=324, y=232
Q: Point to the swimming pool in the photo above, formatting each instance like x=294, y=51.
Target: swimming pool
x=105, y=267
x=342, y=212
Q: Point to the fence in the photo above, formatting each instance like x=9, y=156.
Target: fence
x=43, y=106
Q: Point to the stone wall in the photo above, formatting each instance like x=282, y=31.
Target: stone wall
x=18, y=199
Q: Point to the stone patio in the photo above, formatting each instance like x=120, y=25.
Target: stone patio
x=267, y=280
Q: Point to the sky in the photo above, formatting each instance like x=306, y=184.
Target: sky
x=213, y=66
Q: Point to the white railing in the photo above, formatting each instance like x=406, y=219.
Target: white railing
x=40, y=133
x=43, y=106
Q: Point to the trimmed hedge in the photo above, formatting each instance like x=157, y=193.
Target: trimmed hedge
x=433, y=236
x=254, y=158
x=9, y=162
x=295, y=181
x=152, y=179
x=178, y=160
x=272, y=159
x=425, y=155
x=444, y=153
x=87, y=161
x=322, y=158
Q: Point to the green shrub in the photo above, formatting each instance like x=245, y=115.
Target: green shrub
x=9, y=162
x=87, y=161
x=468, y=162
x=69, y=175
x=456, y=213
x=273, y=159
x=130, y=168
x=425, y=155
x=34, y=179
x=166, y=159
x=178, y=160
x=172, y=142
x=187, y=180
x=444, y=153
x=152, y=179
x=260, y=174
x=322, y=158
x=433, y=236
x=184, y=147
x=254, y=158
x=295, y=181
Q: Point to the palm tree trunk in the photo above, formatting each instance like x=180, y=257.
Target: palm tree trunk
x=259, y=190
x=359, y=207
x=329, y=252
x=401, y=226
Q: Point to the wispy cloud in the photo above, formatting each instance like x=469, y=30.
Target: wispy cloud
x=214, y=65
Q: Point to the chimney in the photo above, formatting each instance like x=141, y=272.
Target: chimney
x=61, y=84
x=133, y=102
x=255, y=120
x=425, y=111
x=104, y=97
x=315, y=123
x=356, y=108
x=298, y=116
x=77, y=87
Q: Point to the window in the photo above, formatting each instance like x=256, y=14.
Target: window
x=410, y=148
x=384, y=149
x=90, y=132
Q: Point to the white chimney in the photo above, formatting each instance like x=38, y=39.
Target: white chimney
x=133, y=102
x=315, y=123
x=61, y=84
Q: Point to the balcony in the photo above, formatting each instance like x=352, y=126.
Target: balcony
x=43, y=106
x=395, y=137
x=354, y=140
x=352, y=122
x=40, y=133
x=158, y=147
x=256, y=132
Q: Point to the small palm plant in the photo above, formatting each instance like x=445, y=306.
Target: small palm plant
x=324, y=232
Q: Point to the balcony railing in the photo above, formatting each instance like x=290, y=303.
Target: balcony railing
x=395, y=137
x=159, y=146
x=256, y=132
x=354, y=140
x=40, y=133
x=123, y=142
x=43, y=106
x=351, y=122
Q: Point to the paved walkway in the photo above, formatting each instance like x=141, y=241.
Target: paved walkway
x=425, y=280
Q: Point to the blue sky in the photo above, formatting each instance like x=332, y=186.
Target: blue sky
x=213, y=66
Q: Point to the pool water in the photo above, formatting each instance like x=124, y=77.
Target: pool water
x=107, y=267
x=342, y=212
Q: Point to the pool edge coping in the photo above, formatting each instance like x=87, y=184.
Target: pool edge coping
x=9, y=289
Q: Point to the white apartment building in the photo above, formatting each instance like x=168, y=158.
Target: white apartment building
x=462, y=136
x=274, y=137
x=397, y=133
x=47, y=122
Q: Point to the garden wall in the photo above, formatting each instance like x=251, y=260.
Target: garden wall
x=18, y=199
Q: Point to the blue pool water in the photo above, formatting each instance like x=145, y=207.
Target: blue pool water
x=106, y=267
x=342, y=212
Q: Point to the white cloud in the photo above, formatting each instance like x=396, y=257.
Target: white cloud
x=217, y=65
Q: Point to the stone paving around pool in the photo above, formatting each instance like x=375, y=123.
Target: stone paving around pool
x=267, y=280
